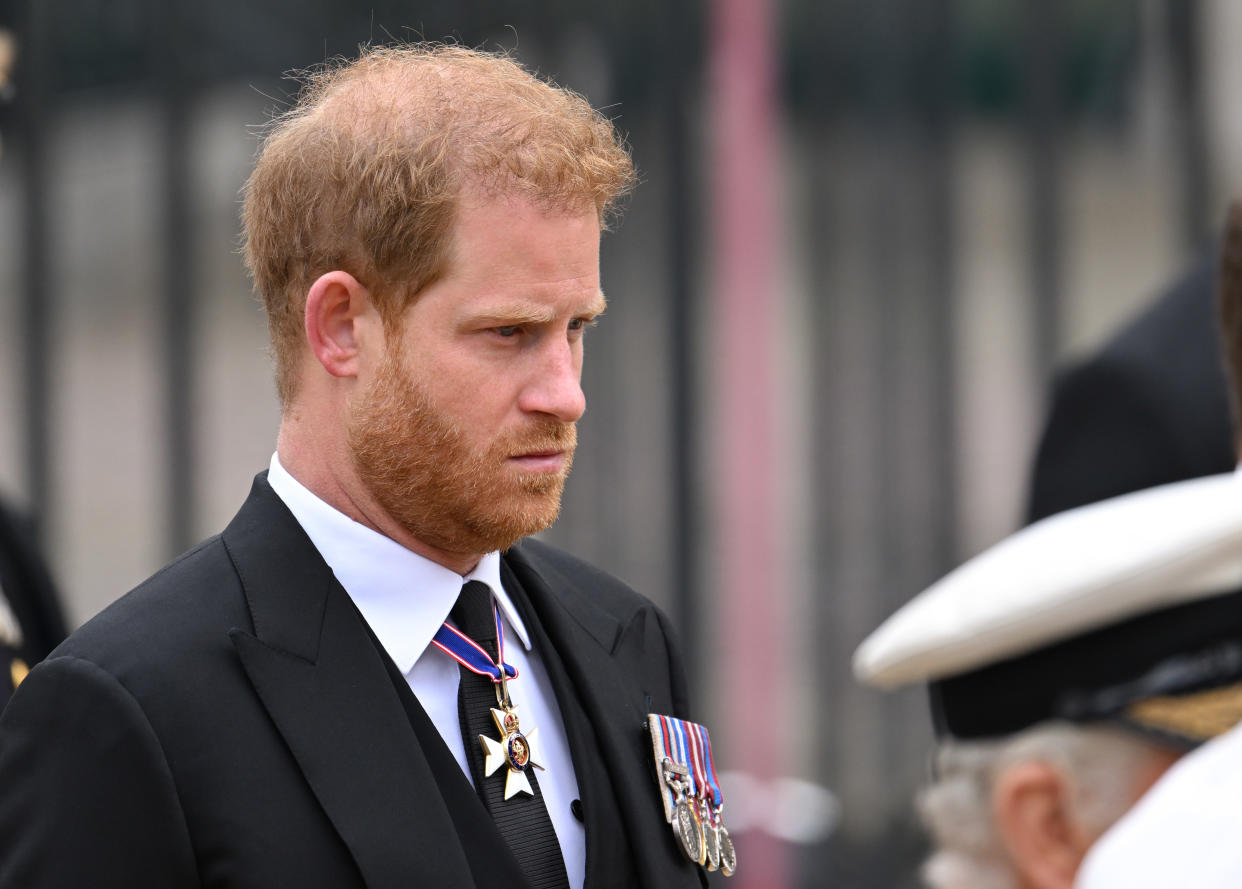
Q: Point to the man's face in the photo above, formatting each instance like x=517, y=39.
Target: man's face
x=465, y=431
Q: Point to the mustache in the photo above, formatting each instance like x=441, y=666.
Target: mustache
x=546, y=435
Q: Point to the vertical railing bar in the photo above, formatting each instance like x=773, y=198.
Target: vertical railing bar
x=38, y=291
x=1042, y=147
x=178, y=278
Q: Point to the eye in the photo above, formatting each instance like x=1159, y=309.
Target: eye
x=507, y=331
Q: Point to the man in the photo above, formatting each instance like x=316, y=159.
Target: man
x=1184, y=832
x=307, y=699
x=1069, y=666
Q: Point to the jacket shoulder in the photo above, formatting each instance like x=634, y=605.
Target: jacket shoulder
x=194, y=599
x=565, y=573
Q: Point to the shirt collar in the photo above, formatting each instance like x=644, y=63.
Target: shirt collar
x=404, y=597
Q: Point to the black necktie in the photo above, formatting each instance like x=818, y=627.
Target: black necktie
x=522, y=820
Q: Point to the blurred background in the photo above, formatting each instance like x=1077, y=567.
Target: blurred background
x=868, y=233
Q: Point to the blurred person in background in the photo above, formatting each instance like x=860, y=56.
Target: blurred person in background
x=307, y=699
x=1147, y=408
x=31, y=624
x=1068, y=667
x=1184, y=833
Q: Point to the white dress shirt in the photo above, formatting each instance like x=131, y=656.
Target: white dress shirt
x=405, y=598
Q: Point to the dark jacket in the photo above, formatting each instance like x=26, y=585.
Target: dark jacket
x=231, y=723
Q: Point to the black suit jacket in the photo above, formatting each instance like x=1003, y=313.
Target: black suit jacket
x=1150, y=408
x=232, y=723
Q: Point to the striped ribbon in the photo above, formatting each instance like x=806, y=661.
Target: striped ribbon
x=689, y=744
x=467, y=652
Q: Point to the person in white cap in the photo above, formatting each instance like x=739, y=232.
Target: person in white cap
x=1069, y=666
x=1185, y=832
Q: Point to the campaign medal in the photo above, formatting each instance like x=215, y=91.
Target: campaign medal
x=711, y=835
x=689, y=832
x=516, y=749
x=728, y=857
x=687, y=826
x=689, y=791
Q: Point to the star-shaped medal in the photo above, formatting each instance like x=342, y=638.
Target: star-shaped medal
x=515, y=749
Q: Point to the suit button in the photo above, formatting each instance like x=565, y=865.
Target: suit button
x=576, y=808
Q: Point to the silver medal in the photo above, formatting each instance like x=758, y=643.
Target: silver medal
x=728, y=856
x=689, y=831
x=711, y=839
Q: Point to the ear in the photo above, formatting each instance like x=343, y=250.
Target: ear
x=337, y=306
x=1034, y=811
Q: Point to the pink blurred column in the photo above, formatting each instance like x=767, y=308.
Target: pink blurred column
x=746, y=306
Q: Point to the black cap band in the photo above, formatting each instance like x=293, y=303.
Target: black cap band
x=1098, y=675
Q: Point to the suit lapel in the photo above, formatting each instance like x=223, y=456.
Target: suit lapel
x=584, y=638
x=325, y=687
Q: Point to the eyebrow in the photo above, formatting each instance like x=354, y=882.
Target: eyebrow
x=529, y=313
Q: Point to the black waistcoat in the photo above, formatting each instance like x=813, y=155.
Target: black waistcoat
x=609, y=855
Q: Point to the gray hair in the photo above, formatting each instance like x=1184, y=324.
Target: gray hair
x=1101, y=763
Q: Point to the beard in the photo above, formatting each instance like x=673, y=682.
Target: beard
x=423, y=472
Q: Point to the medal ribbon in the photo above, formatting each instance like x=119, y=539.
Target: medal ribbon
x=689, y=744
x=467, y=652
x=694, y=743
x=710, y=782
x=672, y=746
x=689, y=747
x=664, y=748
x=685, y=756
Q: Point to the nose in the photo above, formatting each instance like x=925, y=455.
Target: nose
x=555, y=384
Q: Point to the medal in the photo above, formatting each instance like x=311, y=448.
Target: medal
x=689, y=791
x=687, y=826
x=515, y=749
x=689, y=830
x=711, y=836
x=728, y=857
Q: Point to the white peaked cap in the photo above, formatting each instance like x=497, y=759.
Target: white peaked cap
x=1071, y=574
